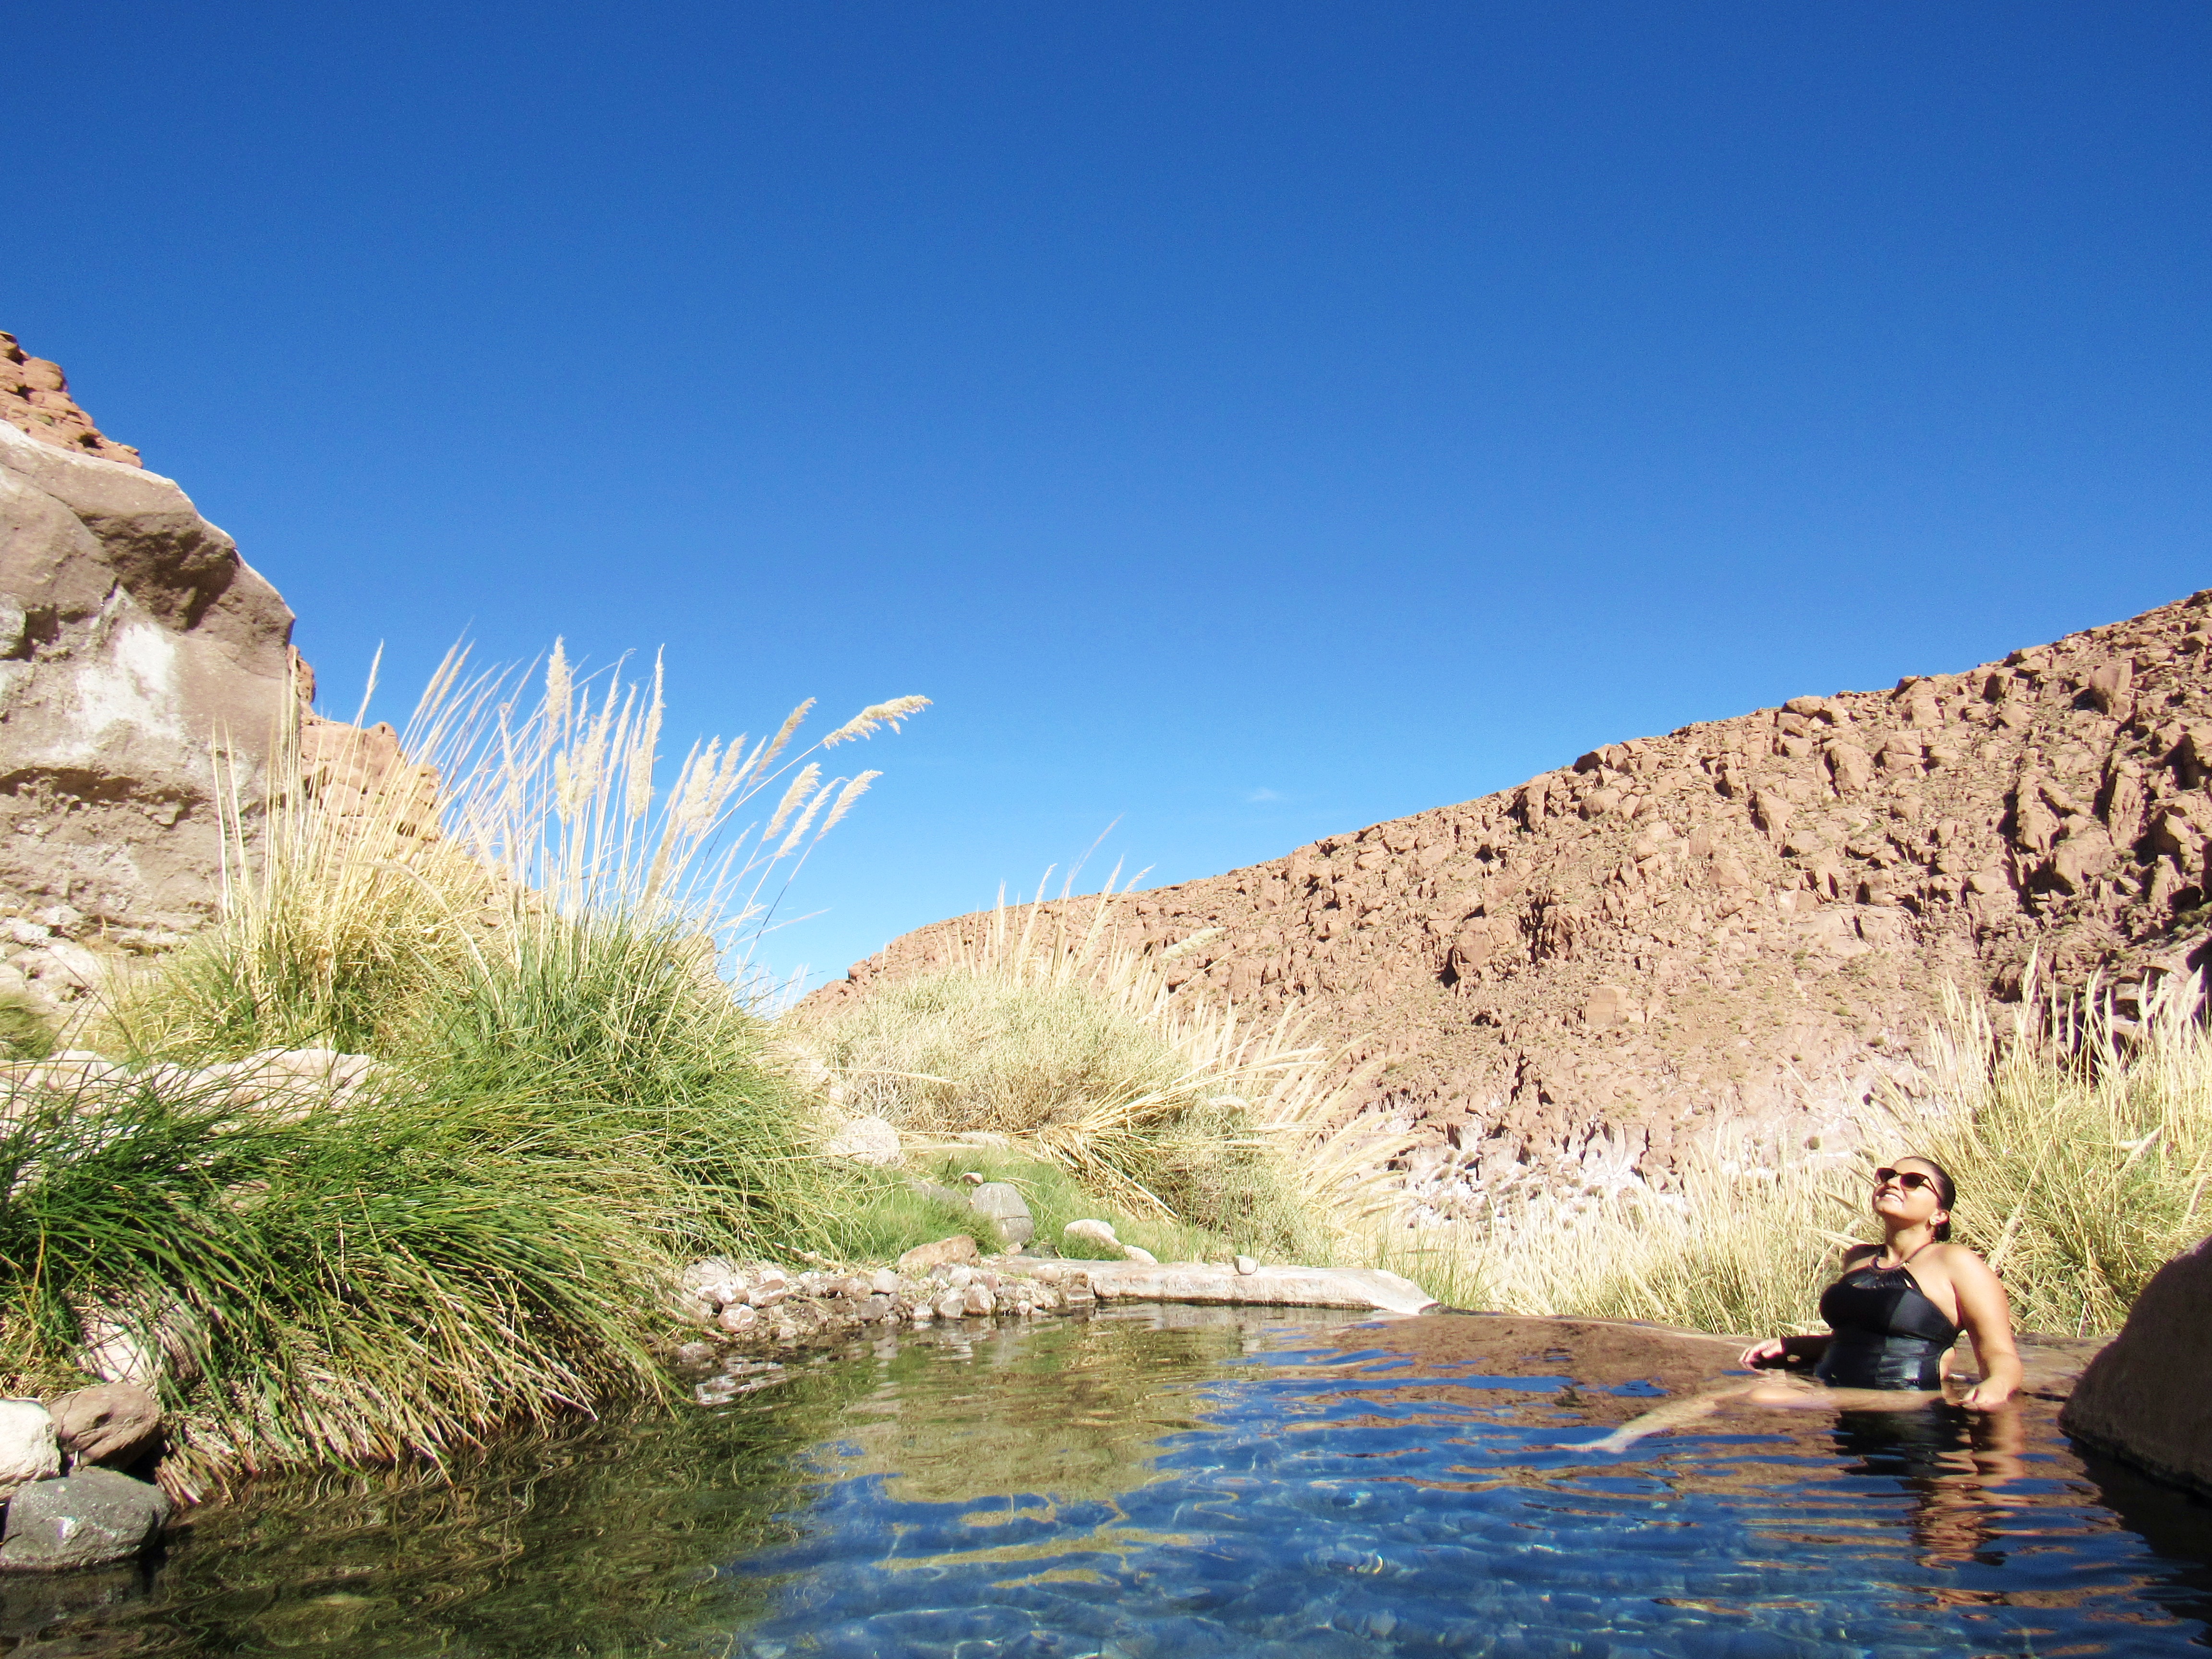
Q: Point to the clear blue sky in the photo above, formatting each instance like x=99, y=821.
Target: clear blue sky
x=1247, y=421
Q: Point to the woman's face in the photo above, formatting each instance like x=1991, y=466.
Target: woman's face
x=1906, y=1202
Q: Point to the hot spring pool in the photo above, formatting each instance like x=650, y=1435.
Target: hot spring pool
x=1178, y=1481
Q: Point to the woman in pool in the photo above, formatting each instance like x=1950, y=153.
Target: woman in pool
x=1900, y=1305
x=1895, y=1315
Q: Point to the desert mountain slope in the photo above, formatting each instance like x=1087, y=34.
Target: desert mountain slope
x=1747, y=921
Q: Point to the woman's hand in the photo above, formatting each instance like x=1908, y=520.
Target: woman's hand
x=1773, y=1352
x=1987, y=1394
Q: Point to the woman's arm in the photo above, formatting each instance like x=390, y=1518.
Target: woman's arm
x=1984, y=1312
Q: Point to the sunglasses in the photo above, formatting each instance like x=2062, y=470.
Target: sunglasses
x=1912, y=1180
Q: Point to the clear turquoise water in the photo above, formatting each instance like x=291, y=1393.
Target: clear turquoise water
x=1174, y=1482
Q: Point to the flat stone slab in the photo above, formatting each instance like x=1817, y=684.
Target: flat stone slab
x=1369, y=1290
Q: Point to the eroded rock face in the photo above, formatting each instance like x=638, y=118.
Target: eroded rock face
x=2144, y=1398
x=1747, y=922
x=133, y=640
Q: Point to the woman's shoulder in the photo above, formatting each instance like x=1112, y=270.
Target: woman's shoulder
x=1856, y=1255
x=1954, y=1258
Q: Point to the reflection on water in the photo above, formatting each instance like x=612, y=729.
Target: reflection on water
x=1169, y=1482
x=1074, y=1410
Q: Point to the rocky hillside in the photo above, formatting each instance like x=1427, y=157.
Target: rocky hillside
x=1746, y=923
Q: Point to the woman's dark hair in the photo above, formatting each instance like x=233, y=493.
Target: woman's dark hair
x=1946, y=1191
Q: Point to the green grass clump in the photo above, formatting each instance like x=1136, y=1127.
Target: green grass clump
x=484, y=1236
x=886, y=1217
x=1055, y=1198
x=317, y=1291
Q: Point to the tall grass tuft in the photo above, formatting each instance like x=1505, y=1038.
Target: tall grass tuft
x=345, y=912
x=571, y=1098
x=2082, y=1149
x=315, y=1289
x=1051, y=1031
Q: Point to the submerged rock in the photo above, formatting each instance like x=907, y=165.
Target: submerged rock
x=82, y=1520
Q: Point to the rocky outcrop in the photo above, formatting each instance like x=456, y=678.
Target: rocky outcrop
x=2144, y=1399
x=35, y=398
x=1747, y=922
x=135, y=647
x=360, y=776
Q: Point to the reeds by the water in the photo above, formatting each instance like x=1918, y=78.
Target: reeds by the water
x=571, y=1099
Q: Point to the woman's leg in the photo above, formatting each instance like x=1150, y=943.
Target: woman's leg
x=1776, y=1394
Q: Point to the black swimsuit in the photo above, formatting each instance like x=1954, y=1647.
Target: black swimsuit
x=1888, y=1334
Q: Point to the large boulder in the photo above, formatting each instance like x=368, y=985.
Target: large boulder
x=2144, y=1399
x=83, y=1520
x=134, y=642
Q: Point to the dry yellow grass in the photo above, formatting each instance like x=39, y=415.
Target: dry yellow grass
x=2082, y=1148
x=1054, y=1031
